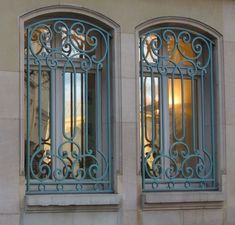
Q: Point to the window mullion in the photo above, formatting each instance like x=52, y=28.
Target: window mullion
x=57, y=116
x=165, y=131
x=53, y=118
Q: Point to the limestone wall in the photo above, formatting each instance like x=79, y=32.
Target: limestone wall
x=129, y=207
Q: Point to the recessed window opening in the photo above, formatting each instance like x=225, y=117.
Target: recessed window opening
x=177, y=109
x=67, y=106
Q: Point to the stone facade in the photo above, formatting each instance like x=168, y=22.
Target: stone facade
x=128, y=205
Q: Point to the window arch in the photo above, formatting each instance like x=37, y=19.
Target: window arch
x=67, y=104
x=178, y=106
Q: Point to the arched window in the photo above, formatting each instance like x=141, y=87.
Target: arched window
x=177, y=85
x=67, y=104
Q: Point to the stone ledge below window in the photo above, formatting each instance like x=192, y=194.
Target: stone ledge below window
x=81, y=202
x=182, y=200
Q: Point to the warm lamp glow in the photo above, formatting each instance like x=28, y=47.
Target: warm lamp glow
x=177, y=92
x=177, y=100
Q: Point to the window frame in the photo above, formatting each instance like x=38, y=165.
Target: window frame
x=218, y=98
x=114, y=66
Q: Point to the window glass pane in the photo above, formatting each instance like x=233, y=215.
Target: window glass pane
x=181, y=115
x=151, y=121
x=40, y=137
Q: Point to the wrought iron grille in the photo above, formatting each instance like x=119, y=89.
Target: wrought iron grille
x=67, y=107
x=177, y=110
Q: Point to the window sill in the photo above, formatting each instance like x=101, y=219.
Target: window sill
x=93, y=202
x=181, y=200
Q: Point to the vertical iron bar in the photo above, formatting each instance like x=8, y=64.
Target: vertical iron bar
x=212, y=116
x=40, y=106
x=173, y=107
x=86, y=111
x=182, y=109
x=71, y=109
x=142, y=113
x=193, y=114
x=51, y=91
x=74, y=75
x=202, y=114
x=161, y=114
x=165, y=131
x=202, y=110
x=108, y=112
x=98, y=105
x=63, y=103
x=152, y=110
x=28, y=114
x=82, y=120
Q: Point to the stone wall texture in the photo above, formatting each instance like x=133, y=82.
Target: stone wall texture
x=131, y=209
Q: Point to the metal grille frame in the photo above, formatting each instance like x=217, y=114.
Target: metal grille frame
x=97, y=177
x=157, y=63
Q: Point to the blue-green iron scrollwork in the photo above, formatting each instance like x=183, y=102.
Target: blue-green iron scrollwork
x=177, y=110
x=67, y=75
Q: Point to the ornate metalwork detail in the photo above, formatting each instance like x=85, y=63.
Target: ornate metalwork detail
x=177, y=110
x=67, y=71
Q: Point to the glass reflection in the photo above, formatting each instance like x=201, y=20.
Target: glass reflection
x=40, y=137
x=151, y=119
x=75, y=118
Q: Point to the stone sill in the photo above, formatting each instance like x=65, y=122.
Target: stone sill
x=180, y=200
x=75, y=201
